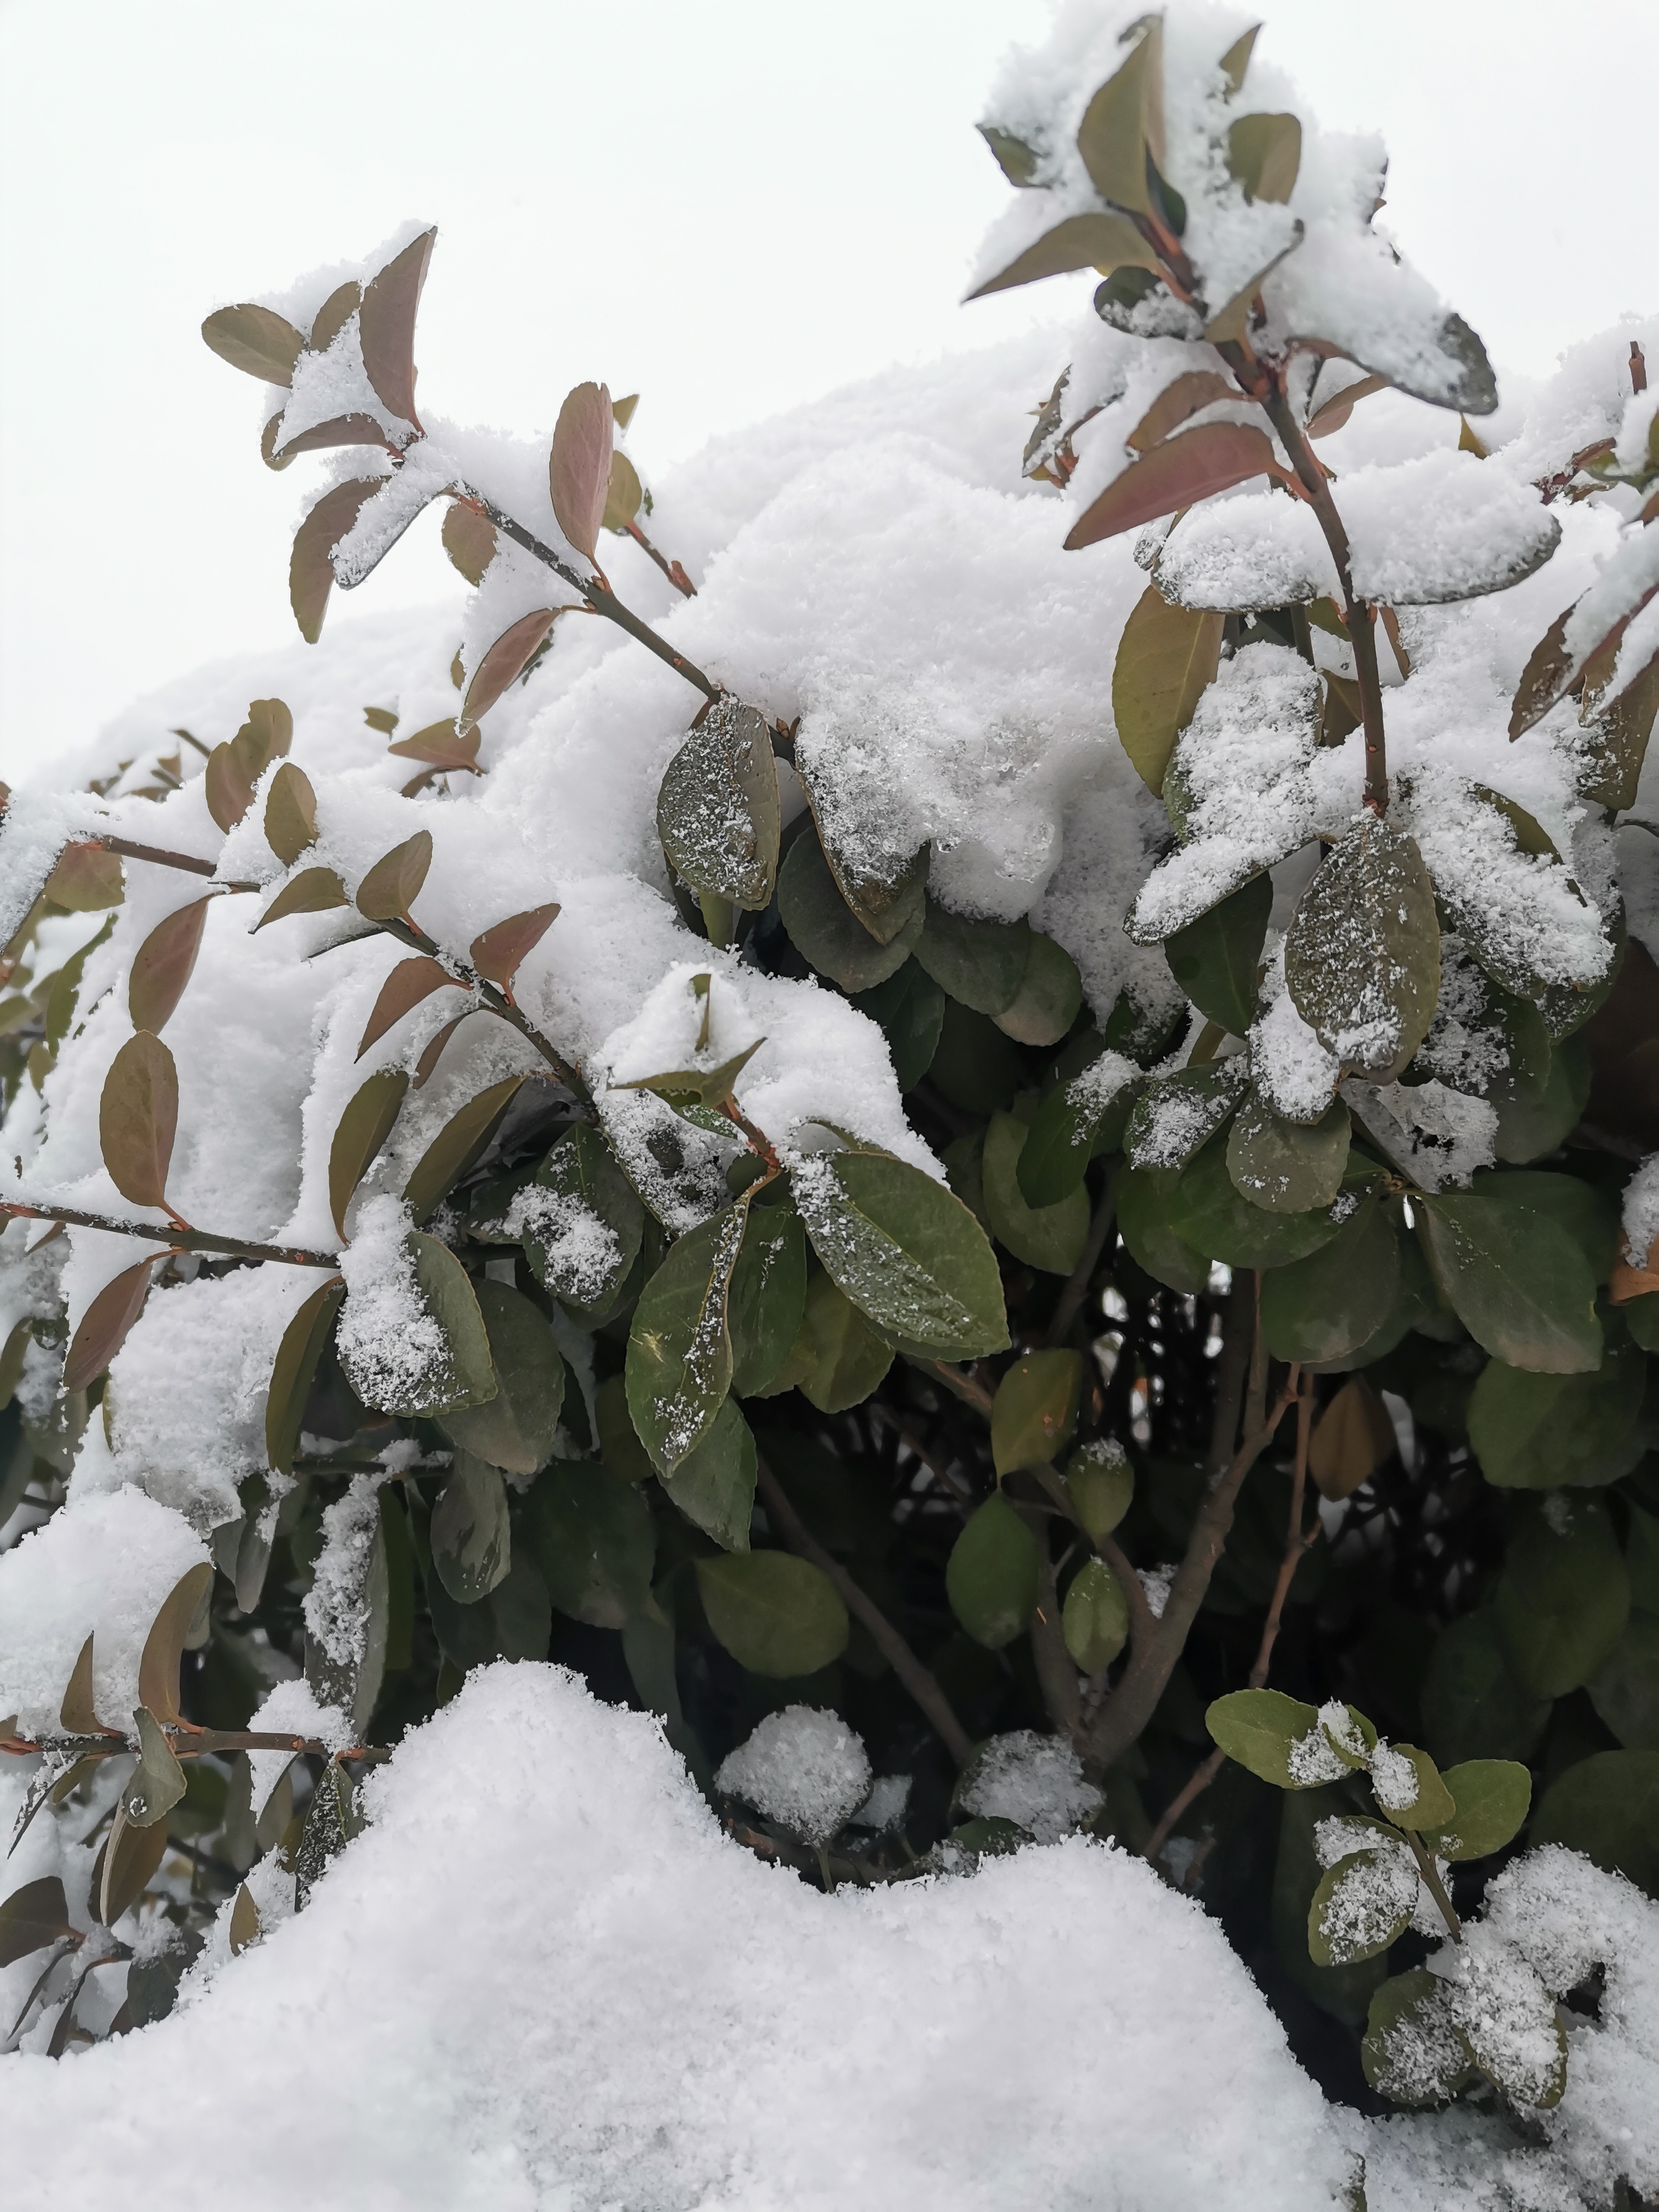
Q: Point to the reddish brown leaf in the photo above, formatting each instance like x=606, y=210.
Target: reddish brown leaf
x=86, y=879
x=497, y=951
x=163, y=965
x=310, y=573
x=410, y=981
x=127, y=1858
x=1095, y=240
x=387, y=327
x=138, y=1119
x=322, y=437
x=426, y=1066
x=1184, y=469
x=442, y=743
x=506, y=659
x=470, y=541
x=393, y=884
x=78, y=1712
x=313, y=890
x=335, y=312
x=169, y=1632
x=229, y=791
x=290, y=813
x=1199, y=387
x=104, y=1324
x=1544, y=678
x=578, y=465
x=256, y=340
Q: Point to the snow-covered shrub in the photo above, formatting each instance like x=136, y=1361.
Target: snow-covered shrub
x=832, y=1102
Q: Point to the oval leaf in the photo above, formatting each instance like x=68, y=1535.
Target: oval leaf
x=164, y=1647
x=311, y=568
x=718, y=810
x=471, y=1537
x=393, y=884
x=1095, y=240
x=362, y=1129
x=990, y=1576
x=594, y=1541
x=825, y=929
x=505, y=660
x=294, y=1370
x=777, y=1615
x=105, y=1324
x=32, y=1917
x=1261, y=1728
x=256, y=340
x=470, y=540
x=313, y=890
x=1095, y=1620
x=410, y=982
x=1034, y=1414
x=386, y=325
x=578, y=465
x=290, y=813
x=1362, y=956
x=138, y=1119
x=461, y=1142
x=163, y=965
x=515, y=1429
x=497, y=952
x=1515, y=1279
x=158, y=1782
x=679, y=1347
x=1185, y=469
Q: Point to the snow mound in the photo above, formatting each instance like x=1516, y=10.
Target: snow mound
x=543, y=1979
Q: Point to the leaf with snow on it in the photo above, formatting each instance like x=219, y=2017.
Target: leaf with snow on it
x=1293, y=1073
x=1437, y=1136
x=1256, y=550
x=803, y=1768
x=1345, y=292
x=1441, y=528
x=1362, y=954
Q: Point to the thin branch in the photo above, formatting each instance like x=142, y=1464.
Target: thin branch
x=181, y=1240
x=188, y=1742
x=1436, y=1888
x=1076, y=1288
x=912, y=1443
x=964, y=1387
x=919, y=1680
x=676, y=576
x=598, y=594
x=495, y=999
x=188, y=862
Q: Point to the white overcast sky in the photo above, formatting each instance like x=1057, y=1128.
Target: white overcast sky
x=731, y=206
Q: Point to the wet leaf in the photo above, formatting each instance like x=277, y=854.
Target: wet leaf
x=458, y=1146
x=471, y=1535
x=767, y=1302
x=1182, y=470
x=1362, y=956
x=1176, y=1115
x=256, y=340
x=1095, y=240
x=310, y=567
x=470, y=541
x=516, y=1428
x=461, y=1374
x=1516, y=1277
x=1209, y=1211
x=594, y=1541
x=717, y=809
x=393, y=884
x=333, y=1819
x=578, y=465
x=1034, y=1414
x=504, y=663
x=777, y=1615
x=313, y=890
x=1258, y=1729
x=1166, y=657
x=679, y=1346
x=294, y=1370
x=1285, y=1167
x=981, y=964
x=825, y=929
x=1364, y=1904
x=498, y=952
x=158, y=1782
x=410, y=982
x=1123, y=124
x=1264, y=153
x=105, y=1325
x=138, y=1118
x=990, y=1576
x=361, y=1130
x=173, y=1628
x=386, y=325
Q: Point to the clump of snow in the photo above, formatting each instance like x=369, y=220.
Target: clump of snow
x=1036, y=1781
x=1435, y=1135
x=802, y=1767
x=1312, y=1759
x=101, y=1567
x=1293, y=1073
x=1156, y=1583
x=336, y=1605
x=883, y=1809
x=1368, y=1902
x=1394, y=1779
x=1641, y=1214
x=578, y=1249
x=292, y=1708
x=388, y=1339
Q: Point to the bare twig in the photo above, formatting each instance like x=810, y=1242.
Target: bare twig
x=188, y=862
x=964, y=1387
x=181, y=1240
x=676, y=576
x=912, y=1443
x=189, y=1743
x=918, y=1680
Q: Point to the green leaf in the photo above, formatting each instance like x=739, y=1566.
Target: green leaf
x=768, y=1297
x=470, y=1534
x=1515, y=1279
x=1034, y=1414
x=1050, y=1237
x=826, y=932
x=980, y=964
x=777, y=1615
x=458, y=1146
x=1533, y=1431
x=717, y=810
x=1586, y=1214
x=594, y=1541
x=1018, y=161
x=1258, y=1729
x=1178, y=1114
x=1491, y=1796
x=1264, y=153
x=1145, y=1220
x=1625, y=1692
x=1414, y=2052
x=1050, y=997
x=1341, y=1991
x=362, y=1129
x=157, y=1782
x=905, y=1250
x=393, y=884
x=1429, y=1803
x=1093, y=240
x=1533, y=1119
x=679, y=1347
x=515, y=1429
x=697, y=1092
x=1211, y=1214
x=1473, y=1707
x=294, y=1370
x=990, y=1576
x=910, y=1010
x=1123, y=124
x=1216, y=959
x=582, y=1168
x=1076, y=1122
x=1166, y=658
x=890, y=904
x=461, y=1374
x=1357, y=1910
x=1607, y=1807
x=713, y=1486
x=1100, y=1484
x=1564, y=1596
x=32, y=1917
x=625, y=1456
x=1094, y=1618
x=837, y=1358
x=138, y=1119
x=1362, y=955
x=1325, y=1308
x=163, y=965
x=1287, y=1167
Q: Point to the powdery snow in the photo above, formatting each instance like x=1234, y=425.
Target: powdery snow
x=544, y=1977
x=1036, y=1781
x=803, y=1767
x=1641, y=1213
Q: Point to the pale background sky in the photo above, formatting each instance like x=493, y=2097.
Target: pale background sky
x=731, y=206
